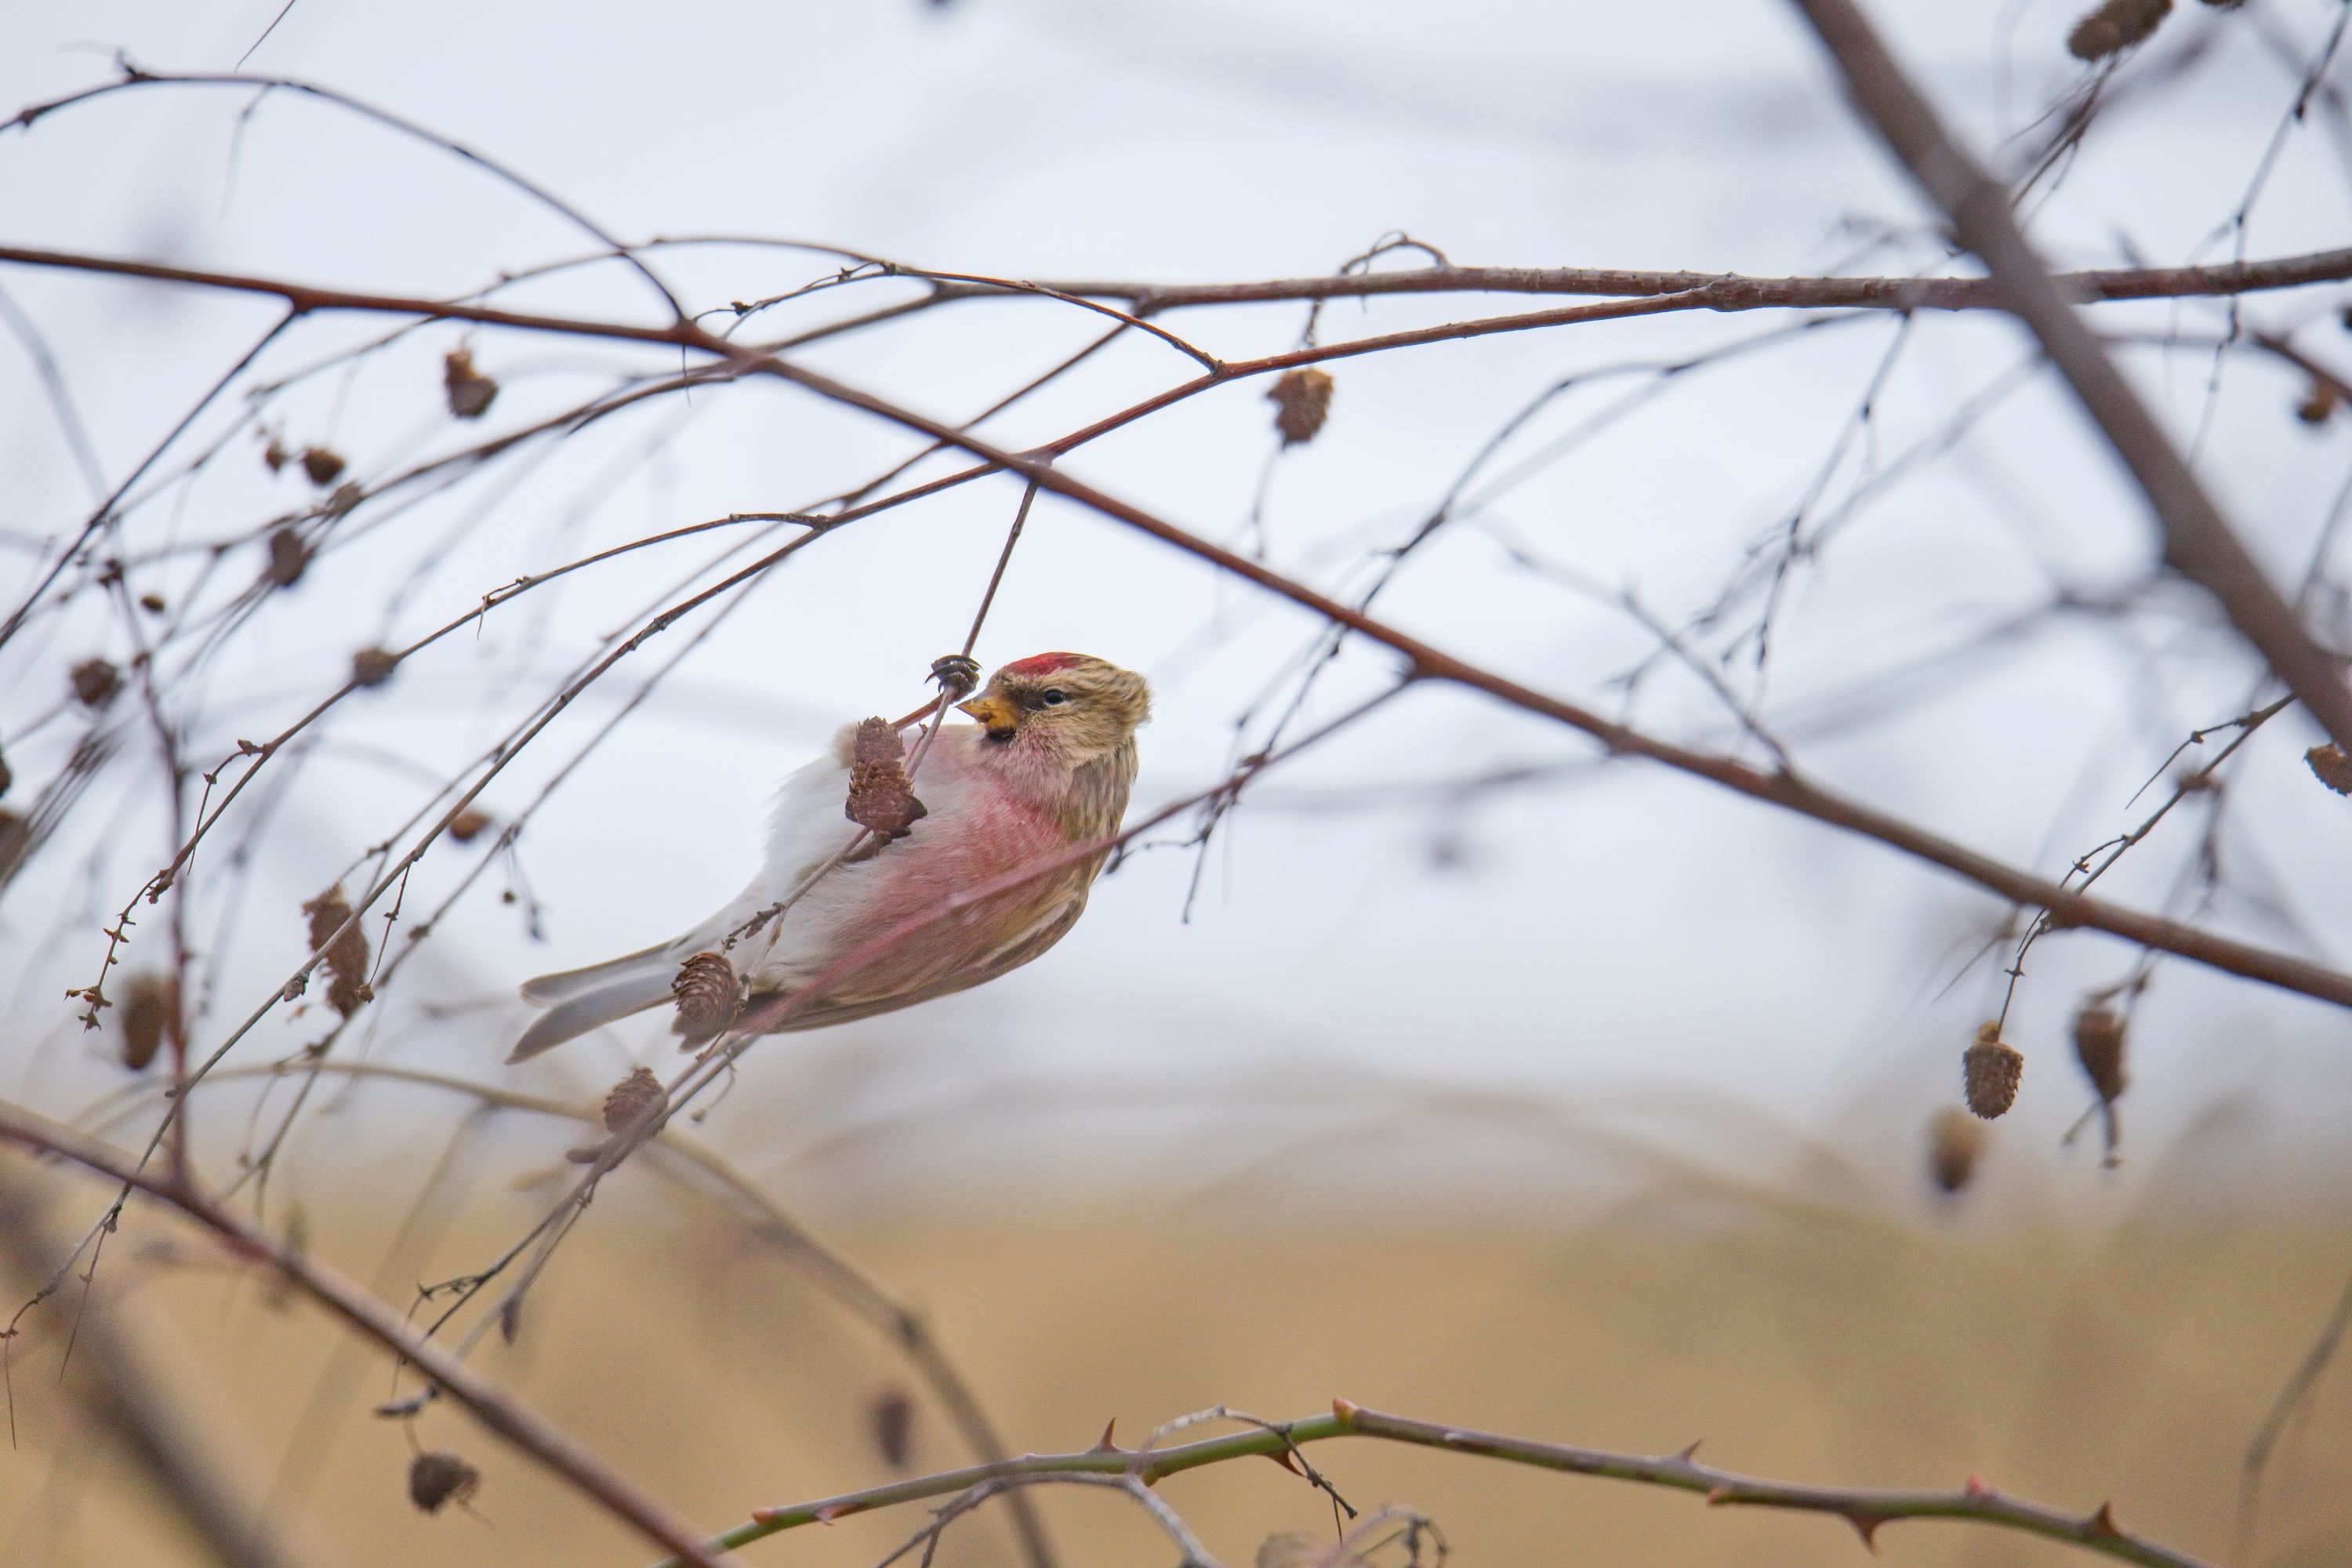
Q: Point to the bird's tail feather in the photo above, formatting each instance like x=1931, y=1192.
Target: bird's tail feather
x=590, y=998
x=547, y=990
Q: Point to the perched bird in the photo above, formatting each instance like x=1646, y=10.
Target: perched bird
x=1047, y=767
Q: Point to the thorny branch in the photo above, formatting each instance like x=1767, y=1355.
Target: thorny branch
x=1865, y=1510
x=493, y=1406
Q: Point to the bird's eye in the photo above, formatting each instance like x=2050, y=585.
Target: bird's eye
x=1054, y=699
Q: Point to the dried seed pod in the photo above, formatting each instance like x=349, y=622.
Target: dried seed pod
x=323, y=464
x=893, y=1415
x=438, y=1478
x=2099, y=1047
x=153, y=604
x=276, y=455
x=1955, y=1141
x=1991, y=1069
x=881, y=798
x=468, y=823
x=627, y=1098
x=347, y=960
x=95, y=682
x=288, y=557
x=151, y=1007
x=2115, y=26
x=2318, y=403
x=373, y=666
x=470, y=390
x=2330, y=766
x=1302, y=401
x=708, y=996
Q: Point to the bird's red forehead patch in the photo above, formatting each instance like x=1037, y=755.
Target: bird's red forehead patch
x=1041, y=664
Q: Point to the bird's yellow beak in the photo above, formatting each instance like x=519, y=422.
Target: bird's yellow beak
x=995, y=711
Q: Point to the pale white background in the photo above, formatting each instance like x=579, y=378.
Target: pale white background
x=1621, y=927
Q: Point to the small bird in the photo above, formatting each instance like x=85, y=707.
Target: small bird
x=1047, y=767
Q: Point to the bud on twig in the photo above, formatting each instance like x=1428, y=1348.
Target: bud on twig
x=708, y=996
x=1990, y=1070
x=373, y=666
x=880, y=797
x=438, y=1478
x=468, y=823
x=1302, y=400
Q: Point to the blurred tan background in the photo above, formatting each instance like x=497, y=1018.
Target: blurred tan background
x=1543, y=1269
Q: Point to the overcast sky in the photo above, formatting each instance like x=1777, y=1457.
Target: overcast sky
x=1613, y=925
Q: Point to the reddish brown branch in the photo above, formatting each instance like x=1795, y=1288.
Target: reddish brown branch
x=1780, y=788
x=2199, y=541
x=493, y=1406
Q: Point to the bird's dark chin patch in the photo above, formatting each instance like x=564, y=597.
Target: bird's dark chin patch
x=1005, y=738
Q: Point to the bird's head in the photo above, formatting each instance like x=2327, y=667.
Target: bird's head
x=1072, y=706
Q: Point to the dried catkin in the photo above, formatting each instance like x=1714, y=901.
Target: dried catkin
x=373, y=666
x=438, y=1478
x=347, y=960
x=470, y=393
x=2115, y=26
x=1302, y=401
x=629, y=1097
x=880, y=797
x=708, y=995
x=322, y=465
x=1955, y=1141
x=1990, y=1070
x=2099, y=1047
x=288, y=557
x=149, y=1002
x=2330, y=766
x=95, y=682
